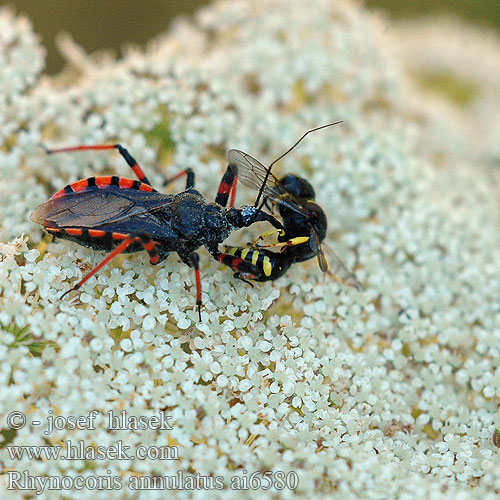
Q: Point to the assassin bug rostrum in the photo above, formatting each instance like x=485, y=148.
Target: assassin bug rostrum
x=305, y=223
x=118, y=215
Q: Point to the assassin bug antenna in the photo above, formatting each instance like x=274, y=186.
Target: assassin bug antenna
x=288, y=151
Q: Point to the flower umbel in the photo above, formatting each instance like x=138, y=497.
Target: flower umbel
x=385, y=392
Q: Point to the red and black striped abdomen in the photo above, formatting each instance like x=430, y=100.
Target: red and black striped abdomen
x=94, y=238
x=102, y=182
x=100, y=212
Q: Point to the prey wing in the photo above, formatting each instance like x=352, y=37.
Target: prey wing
x=339, y=270
x=252, y=173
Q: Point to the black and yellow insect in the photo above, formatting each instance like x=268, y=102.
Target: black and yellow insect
x=304, y=221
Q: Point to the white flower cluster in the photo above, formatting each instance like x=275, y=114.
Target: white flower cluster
x=387, y=392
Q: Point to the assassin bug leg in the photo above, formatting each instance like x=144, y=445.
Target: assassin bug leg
x=193, y=260
x=227, y=184
x=233, y=192
x=119, y=249
x=126, y=155
x=150, y=247
x=148, y=244
x=196, y=263
x=189, y=180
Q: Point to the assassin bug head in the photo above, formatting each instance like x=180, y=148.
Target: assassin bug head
x=246, y=216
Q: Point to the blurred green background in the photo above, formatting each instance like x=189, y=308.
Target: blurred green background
x=108, y=24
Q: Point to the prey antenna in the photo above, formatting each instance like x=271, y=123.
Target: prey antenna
x=285, y=153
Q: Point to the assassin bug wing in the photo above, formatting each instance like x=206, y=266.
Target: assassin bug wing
x=95, y=207
x=252, y=173
x=338, y=269
x=87, y=209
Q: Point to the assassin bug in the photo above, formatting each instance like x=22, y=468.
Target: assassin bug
x=118, y=215
x=305, y=223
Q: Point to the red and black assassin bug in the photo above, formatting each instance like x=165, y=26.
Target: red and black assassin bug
x=118, y=215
